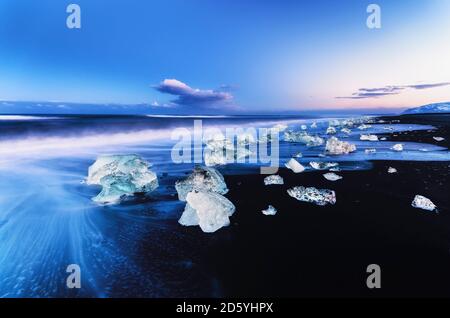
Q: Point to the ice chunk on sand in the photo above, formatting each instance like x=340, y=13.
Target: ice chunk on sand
x=303, y=127
x=335, y=146
x=269, y=211
x=313, y=195
x=210, y=210
x=120, y=176
x=369, y=151
x=392, y=170
x=369, y=137
x=303, y=137
x=424, y=203
x=318, y=165
x=364, y=127
x=397, y=147
x=383, y=138
x=332, y=176
x=346, y=131
x=331, y=130
x=202, y=179
x=273, y=179
x=298, y=155
x=295, y=166
x=438, y=138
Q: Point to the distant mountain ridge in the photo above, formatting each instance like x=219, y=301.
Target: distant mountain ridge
x=430, y=108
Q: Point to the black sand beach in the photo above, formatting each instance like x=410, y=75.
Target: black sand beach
x=312, y=251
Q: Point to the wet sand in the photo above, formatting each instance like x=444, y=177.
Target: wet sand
x=312, y=251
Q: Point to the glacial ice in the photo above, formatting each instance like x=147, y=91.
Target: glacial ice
x=206, y=206
x=273, y=179
x=313, y=125
x=304, y=127
x=346, y=131
x=369, y=151
x=298, y=155
x=332, y=176
x=369, y=137
x=313, y=195
x=331, y=130
x=335, y=146
x=319, y=165
x=120, y=176
x=397, y=147
x=210, y=210
x=295, y=166
x=303, y=137
x=269, y=211
x=364, y=127
x=201, y=179
x=424, y=203
x=439, y=138
x=392, y=170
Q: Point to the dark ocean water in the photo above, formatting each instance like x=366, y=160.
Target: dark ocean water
x=136, y=248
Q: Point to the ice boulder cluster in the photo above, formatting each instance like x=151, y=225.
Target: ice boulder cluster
x=206, y=206
x=369, y=137
x=313, y=195
x=303, y=137
x=121, y=176
x=335, y=146
x=220, y=150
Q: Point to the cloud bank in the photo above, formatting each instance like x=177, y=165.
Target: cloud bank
x=363, y=93
x=188, y=96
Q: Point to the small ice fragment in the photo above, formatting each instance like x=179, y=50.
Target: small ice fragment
x=332, y=176
x=397, y=147
x=369, y=137
x=269, y=211
x=295, y=166
x=298, y=155
x=392, y=170
x=331, y=130
x=370, y=151
x=314, y=125
x=364, y=127
x=323, y=165
x=303, y=127
x=273, y=179
x=422, y=202
x=335, y=169
x=313, y=195
x=383, y=138
x=321, y=155
x=438, y=138
x=335, y=146
x=346, y=131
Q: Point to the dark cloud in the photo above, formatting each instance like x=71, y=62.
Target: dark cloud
x=363, y=93
x=188, y=96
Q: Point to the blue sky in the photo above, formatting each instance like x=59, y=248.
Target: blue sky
x=225, y=55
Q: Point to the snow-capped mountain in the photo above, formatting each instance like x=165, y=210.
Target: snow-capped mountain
x=430, y=108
